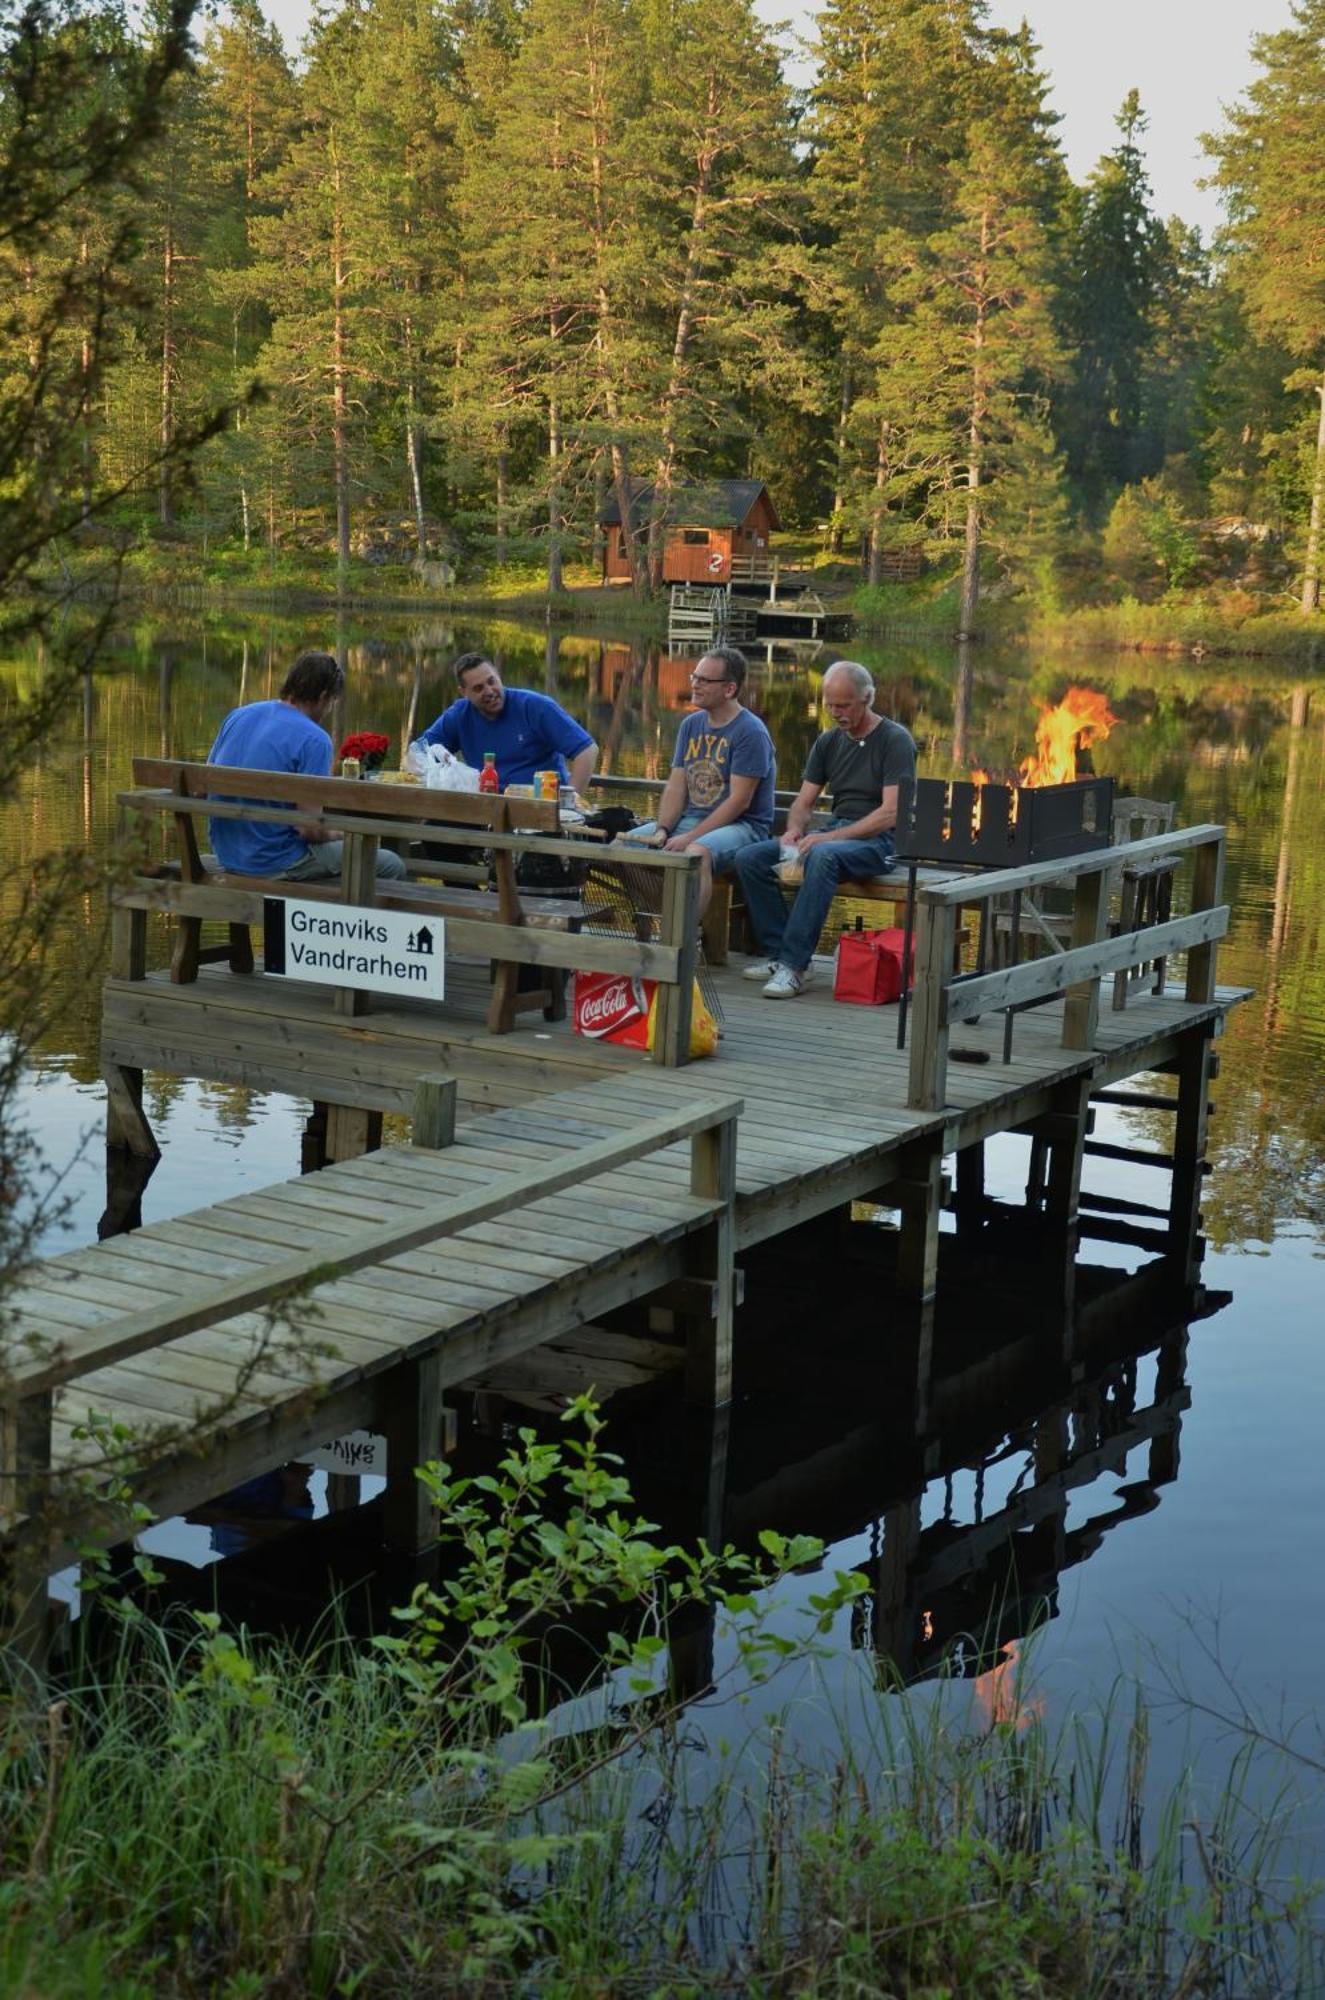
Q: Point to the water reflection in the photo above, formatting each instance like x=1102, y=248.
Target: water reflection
x=966, y=1498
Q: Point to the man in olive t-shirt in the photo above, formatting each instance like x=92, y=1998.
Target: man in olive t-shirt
x=862, y=762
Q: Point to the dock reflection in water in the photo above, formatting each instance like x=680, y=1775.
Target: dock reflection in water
x=959, y=1488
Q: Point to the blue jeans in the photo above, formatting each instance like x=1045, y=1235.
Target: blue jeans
x=324, y=860
x=789, y=936
x=723, y=844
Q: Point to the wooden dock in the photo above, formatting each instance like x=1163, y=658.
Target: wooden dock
x=553, y=1179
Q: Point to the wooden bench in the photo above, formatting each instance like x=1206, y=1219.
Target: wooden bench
x=506, y=924
x=717, y=927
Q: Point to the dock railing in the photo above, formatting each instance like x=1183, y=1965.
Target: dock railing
x=944, y=998
x=32, y=1371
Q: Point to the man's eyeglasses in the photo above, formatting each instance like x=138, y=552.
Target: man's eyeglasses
x=710, y=680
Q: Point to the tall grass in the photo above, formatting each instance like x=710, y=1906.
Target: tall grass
x=199, y=1812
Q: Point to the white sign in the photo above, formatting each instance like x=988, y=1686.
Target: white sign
x=358, y=1451
x=338, y=944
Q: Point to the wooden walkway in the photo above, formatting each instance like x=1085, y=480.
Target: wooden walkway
x=578, y=1179
x=824, y=1086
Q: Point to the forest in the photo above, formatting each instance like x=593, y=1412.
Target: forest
x=432, y=291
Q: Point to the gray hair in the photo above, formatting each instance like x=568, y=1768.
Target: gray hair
x=862, y=680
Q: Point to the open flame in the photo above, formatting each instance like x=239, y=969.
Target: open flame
x=1081, y=718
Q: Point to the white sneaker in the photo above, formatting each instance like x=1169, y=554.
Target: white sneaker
x=785, y=984
x=761, y=969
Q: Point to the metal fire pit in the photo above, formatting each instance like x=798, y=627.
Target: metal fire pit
x=1002, y=826
x=953, y=821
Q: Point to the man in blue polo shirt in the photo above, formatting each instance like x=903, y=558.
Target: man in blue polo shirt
x=526, y=732
x=288, y=734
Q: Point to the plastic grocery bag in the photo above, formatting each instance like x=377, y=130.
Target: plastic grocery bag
x=434, y=766
x=609, y=1008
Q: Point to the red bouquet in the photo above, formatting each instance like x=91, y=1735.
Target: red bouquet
x=368, y=747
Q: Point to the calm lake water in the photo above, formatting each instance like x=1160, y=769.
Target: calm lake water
x=1198, y=1548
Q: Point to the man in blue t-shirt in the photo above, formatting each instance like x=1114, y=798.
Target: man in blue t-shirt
x=719, y=797
x=526, y=732
x=285, y=735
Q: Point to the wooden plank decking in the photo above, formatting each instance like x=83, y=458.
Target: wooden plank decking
x=824, y=1086
x=256, y=1387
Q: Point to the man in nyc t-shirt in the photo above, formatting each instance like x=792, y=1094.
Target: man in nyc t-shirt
x=719, y=797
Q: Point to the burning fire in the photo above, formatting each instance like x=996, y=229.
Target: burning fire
x=1080, y=719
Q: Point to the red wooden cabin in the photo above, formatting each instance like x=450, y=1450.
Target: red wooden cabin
x=707, y=526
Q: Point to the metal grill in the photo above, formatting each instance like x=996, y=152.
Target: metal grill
x=955, y=821
x=1002, y=826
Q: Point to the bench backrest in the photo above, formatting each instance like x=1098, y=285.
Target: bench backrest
x=496, y=811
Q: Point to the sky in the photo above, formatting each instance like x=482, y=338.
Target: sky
x=1186, y=57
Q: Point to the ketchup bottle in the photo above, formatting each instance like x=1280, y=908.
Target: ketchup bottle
x=488, y=781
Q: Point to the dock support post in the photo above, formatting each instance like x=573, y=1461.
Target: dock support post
x=678, y=926
x=126, y=1121
x=433, y=1112
x=1081, y=1006
x=709, y=1336
x=351, y=1132
x=892, y=1635
x=358, y=884
x=690, y=1645
x=1066, y=1136
x=25, y=1466
x=412, y=1420
x=1193, y=1071
x=970, y=1202
x=919, y=1194
x=936, y=945
x=313, y=1143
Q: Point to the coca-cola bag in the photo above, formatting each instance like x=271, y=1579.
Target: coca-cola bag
x=869, y=967
x=608, y=1007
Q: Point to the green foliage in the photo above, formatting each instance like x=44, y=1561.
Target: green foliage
x=1149, y=544
x=199, y=1811
x=489, y=265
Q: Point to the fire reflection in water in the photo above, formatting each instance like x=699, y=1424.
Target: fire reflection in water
x=1002, y=1697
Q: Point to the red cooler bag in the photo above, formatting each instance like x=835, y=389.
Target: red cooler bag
x=869, y=967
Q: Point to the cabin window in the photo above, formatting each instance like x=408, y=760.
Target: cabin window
x=695, y=538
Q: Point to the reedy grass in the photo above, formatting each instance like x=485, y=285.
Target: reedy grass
x=210, y=1814
x=201, y=1812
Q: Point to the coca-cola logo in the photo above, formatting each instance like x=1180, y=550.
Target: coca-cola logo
x=599, y=1009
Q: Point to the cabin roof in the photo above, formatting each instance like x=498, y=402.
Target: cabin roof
x=717, y=503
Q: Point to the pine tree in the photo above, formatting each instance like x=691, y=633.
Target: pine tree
x=1270, y=168
x=561, y=235
x=403, y=219
x=719, y=126
x=899, y=84
x=966, y=349
x=1117, y=262
x=254, y=108
x=308, y=275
